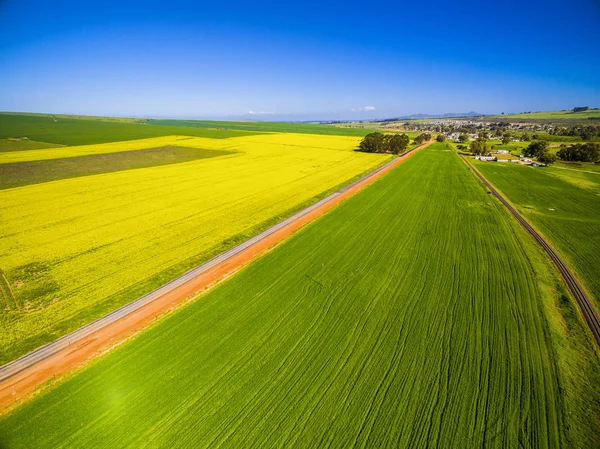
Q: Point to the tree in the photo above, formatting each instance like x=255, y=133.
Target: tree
x=506, y=139
x=525, y=137
x=373, y=143
x=422, y=138
x=463, y=138
x=397, y=143
x=479, y=146
x=535, y=148
x=545, y=157
x=440, y=138
x=581, y=108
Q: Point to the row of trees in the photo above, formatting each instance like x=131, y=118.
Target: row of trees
x=384, y=143
x=586, y=152
x=389, y=143
x=422, y=138
x=580, y=152
x=586, y=132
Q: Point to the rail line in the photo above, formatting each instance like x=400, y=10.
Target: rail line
x=43, y=353
x=583, y=301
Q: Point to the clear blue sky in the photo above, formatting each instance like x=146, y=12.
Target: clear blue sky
x=298, y=60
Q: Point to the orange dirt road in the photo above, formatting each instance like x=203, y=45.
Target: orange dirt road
x=21, y=386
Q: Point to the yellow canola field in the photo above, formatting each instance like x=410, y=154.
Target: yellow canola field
x=73, y=249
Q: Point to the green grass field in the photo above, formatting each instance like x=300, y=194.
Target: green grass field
x=93, y=227
x=578, y=166
x=416, y=314
x=282, y=127
x=552, y=115
x=564, y=205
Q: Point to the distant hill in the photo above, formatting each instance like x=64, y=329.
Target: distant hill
x=426, y=116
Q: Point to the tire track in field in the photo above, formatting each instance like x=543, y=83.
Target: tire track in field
x=583, y=301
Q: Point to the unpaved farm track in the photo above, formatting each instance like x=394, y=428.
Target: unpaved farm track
x=585, y=305
x=22, y=376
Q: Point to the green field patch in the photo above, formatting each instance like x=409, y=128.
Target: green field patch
x=579, y=166
x=34, y=172
x=7, y=145
x=566, y=115
x=396, y=320
x=33, y=286
x=280, y=127
x=7, y=298
x=71, y=131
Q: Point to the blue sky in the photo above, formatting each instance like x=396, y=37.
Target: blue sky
x=298, y=60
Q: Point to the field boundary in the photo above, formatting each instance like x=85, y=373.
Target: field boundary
x=23, y=375
x=583, y=301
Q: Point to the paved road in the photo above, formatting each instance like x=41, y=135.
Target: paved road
x=31, y=359
x=585, y=305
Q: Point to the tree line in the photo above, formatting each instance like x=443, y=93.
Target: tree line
x=539, y=150
x=578, y=152
x=389, y=143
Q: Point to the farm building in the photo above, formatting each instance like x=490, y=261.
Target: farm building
x=502, y=151
x=486, y=158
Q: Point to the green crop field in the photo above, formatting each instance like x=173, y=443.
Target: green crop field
x=282, y=127
x=86, y=229
x=71, y=131
x=566, y=115
x=416, y=314
x=564, y=205
x=75, y=131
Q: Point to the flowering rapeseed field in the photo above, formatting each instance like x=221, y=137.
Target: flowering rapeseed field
x=75, y=249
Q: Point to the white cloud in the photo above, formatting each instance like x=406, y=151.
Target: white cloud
x=260, y=113
x=365, y=109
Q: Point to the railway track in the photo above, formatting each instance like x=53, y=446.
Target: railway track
x=583, y=301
